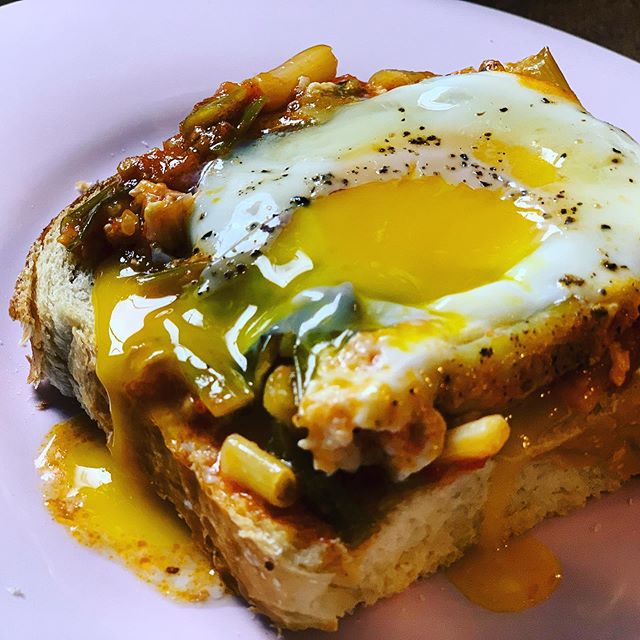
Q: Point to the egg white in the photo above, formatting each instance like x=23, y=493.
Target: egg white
x=424, y=130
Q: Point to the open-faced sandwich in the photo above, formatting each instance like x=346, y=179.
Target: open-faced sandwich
x=351, y=328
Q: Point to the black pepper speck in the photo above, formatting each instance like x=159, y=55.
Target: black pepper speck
x=300, y=201
x=568, y=279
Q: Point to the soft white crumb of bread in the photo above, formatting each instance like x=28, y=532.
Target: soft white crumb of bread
x=298, y=584
x=53, y=301
x=428, y=530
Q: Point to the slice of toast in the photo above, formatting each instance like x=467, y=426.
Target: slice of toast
x=288, y=564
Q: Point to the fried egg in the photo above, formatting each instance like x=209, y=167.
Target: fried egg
x=462, y=203
x=484, y=194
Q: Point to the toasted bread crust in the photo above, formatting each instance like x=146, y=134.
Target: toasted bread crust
x=52, y=301
x=296, y=580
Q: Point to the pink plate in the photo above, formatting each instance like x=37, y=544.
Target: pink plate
x=83, y=84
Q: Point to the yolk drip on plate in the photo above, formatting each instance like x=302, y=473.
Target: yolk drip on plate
x=511, y=574
x=510, y=577
x=107, y=505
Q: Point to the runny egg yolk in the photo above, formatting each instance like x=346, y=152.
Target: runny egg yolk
x=533, y=168
x=408, y=241
x=111, y=506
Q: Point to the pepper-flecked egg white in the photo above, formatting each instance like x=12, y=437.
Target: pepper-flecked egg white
x=454, y=208
x=527, y=158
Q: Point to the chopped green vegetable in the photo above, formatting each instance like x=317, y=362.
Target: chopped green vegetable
x=337, y=498
x=324, y=317
x=79, y=219
x=249, y=114
x=215, y=109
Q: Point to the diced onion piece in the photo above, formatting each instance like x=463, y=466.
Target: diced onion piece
x=387, y=79
x=253, y=468
x=316, y=63
x=478, y=439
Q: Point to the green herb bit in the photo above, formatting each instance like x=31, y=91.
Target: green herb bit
x=246, y=120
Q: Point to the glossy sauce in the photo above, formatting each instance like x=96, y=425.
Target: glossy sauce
x=508, y=578
x=498, y=573
x=110, y=507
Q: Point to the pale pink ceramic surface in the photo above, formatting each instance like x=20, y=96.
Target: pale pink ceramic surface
x=83, y=84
